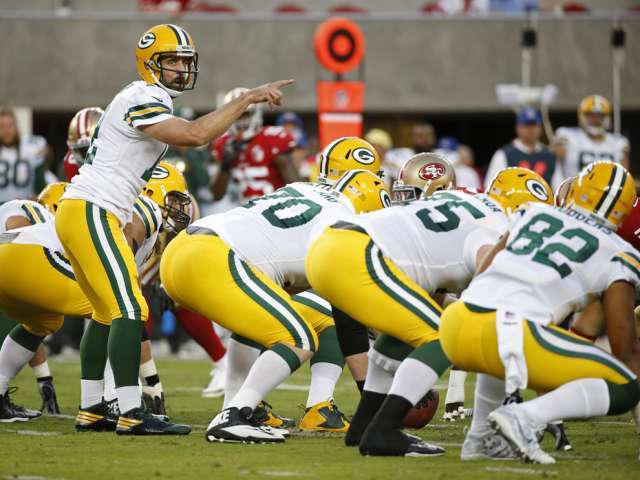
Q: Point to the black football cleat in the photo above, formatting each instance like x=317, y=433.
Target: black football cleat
x=155, y=404
x=10, y=412
x=376, y=442
x=96, y=418
x=48, y=395
x=139, y=421
x=561, y=441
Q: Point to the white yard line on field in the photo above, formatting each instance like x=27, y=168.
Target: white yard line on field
x=523, y=471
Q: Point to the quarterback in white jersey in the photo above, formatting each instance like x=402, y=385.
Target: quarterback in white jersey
x=131, y=138
x=554, y=261
x=576, y=147
x=20, y=160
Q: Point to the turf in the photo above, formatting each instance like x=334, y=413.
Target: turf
x=49, y=448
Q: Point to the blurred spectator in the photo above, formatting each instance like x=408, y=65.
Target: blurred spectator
x=460, y=155
x=513, y=6
x=165, y=6
x=381, y=141
x=292, y=123
x=192, y=162
x=309, y=168
x=24, y=161
x=526, y=150
x=423, y=139
x=455, y=7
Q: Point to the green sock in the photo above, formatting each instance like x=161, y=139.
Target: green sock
x=124, y=351
x=622, y=398
x=392, y=347
x=328, y=348
x=25, y=339
x=431, y=354
x=93, y=351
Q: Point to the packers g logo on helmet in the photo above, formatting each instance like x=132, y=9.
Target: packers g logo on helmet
x=421, y=176
x=366, y=191
x=146, y=40
x=345, y=154
x=604, y=189
x=159, y=172
x=512, y=187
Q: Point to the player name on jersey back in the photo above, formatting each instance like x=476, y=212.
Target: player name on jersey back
x=435, y=241
x=555, y=262
x=271, y=232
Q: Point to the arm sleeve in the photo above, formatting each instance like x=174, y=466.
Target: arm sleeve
x=498, y=162
x=146, y=107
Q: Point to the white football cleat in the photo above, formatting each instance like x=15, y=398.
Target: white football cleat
x=512, y=423
x=489, y=446
x=235, y=425
x=216, y=385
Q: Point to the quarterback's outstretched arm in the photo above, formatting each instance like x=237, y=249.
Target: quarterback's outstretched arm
x=184, y=133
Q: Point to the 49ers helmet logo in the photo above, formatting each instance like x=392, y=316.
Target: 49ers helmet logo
x=159, y=173
x=364, y=156
x=431, y=171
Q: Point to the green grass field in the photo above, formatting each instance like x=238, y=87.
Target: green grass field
x=49, y=448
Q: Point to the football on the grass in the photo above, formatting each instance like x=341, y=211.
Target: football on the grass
x=423, y=412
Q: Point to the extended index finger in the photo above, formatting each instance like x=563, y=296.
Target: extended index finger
x=283, y=83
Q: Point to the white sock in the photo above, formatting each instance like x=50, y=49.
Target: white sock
x=413, y=380
x=269, y=371
x=109, y=383
x=489, y=396
x=455, y=390
x=13, y=357
x=584, y=398
x=42, y=370
x=378, y=379
x=238, y=359
x=324, y=377
x=147, y=369
x=129, y=397
x=90, y=392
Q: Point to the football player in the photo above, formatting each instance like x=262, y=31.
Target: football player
x=79, y=134
x=256, y=159
x=23, y=160
x=131, y=137
x=576, y=147
x=385, y=268
x=253, y=255
x=552, y=261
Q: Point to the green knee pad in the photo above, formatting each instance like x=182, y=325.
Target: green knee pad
x=392, y=347
x=25, y=339
x=328, y=348
x=431, y=354
x=622, y=398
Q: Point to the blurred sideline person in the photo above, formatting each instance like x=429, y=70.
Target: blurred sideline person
x=133, y=135
x=423, y=140
x=466, y=175
x=23, y=161
x=526, y=150
x=254, y=158
x=576, y=147
x=381, y=141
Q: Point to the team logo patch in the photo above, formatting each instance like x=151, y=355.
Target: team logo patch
x=159, y=173
x=364, y=156
x=431, y=171
x=147, y=40
x=537, y=189
x=385, y=198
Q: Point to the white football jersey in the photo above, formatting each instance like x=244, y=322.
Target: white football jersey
x=45, y=234
x=435, y=241
x=582, y=149
x=272, y=232
x=121, y=156
x=32, y=211
x=555, y=262
x=18, y=167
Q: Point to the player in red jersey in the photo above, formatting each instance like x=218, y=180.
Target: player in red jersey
x=255, y=159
